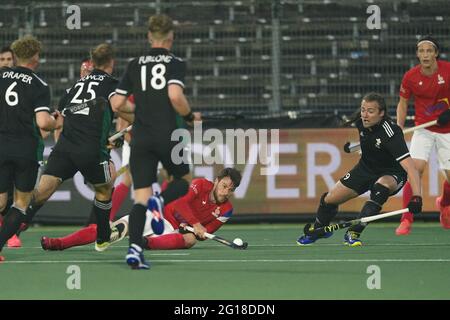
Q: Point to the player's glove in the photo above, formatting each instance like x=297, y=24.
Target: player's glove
x=118, y=143
x=444, y=118
x=415, y=204
x=181, y=228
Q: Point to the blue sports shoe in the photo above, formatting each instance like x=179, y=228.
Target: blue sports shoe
x=135, y=258
x=305, y=240
x=351, y=239
x=156, y=206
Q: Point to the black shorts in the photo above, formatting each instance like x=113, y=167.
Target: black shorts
x=362, y=180
x=18, y=171
x=144, y=163
x=65, y=165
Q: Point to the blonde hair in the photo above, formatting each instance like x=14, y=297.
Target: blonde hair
x=26, y=48
x=102, y=54
x=160, y=25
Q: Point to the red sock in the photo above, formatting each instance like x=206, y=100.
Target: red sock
x=446, y=194
x=166, y=242
x=79, y=238
x=407, y=195
x=118, y=197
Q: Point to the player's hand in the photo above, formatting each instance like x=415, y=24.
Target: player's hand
x=59, y=119
x=118, y=143
x=196, y=116
x=415, y=204
x=444, y=118
x=182, y=228
x=199, y=231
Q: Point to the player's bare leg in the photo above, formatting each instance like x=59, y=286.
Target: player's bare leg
x=443, y=202
x=407, y=218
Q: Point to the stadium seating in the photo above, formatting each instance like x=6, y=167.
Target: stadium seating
x=328, y=56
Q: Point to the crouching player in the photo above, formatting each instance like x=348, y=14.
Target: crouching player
x=384, y=166
x=206, y=207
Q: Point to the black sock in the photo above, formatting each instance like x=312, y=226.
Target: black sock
x=102, y=210
x=32, y=209
x=11, y=224
x=370, y=208
x=136, y=224
x=176, y=189
x=325, y=213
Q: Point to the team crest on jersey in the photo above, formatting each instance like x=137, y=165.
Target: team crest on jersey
x=378, y=143
x=440, y=79
x=216, y=212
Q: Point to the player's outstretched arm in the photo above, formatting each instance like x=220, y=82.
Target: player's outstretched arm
x=402, y=110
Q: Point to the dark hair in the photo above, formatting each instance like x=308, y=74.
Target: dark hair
x=160, y=25
x=429, y=38
x=369, y=97
x=6, y=49
x=233, y=174
x=85, y=59
x=102, y=54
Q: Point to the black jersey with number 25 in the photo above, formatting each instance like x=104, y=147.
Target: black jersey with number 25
x=87, y=129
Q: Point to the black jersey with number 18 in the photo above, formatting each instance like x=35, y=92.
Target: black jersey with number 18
x=147, y=78
x=87, y=130
x=22, y=95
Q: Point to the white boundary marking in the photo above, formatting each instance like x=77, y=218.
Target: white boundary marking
x=283, y=245
x=230, y=260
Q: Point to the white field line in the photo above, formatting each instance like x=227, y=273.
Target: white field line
x=229, y=260
x=289, y=245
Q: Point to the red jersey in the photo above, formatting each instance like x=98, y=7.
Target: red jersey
x=431, y=94
x=196, y=206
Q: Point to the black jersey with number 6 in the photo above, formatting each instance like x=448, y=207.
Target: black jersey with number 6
x=147, y=78
x=87, y=130
x=22, y=95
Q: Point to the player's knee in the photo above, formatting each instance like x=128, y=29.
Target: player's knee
x=379, y=194
x=189, y=240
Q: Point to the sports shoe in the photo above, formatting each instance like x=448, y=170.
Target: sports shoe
x=51, y=244
x=444, y=216
x=122, y=227
x=156, y=207
x=115, y=236
x=404, y=228
x=305, y=240
x=135, y=258
x=14, y=242
x=351, y=239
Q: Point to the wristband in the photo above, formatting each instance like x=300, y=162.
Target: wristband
x=189, y=117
